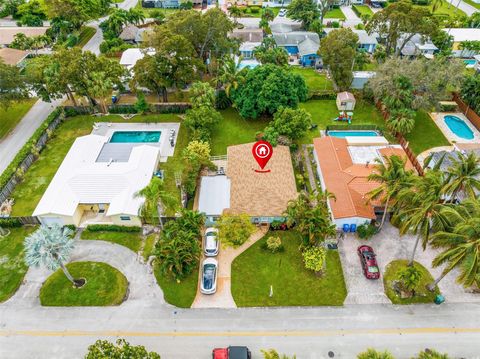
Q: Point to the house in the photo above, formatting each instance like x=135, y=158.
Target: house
x=13, y=57
x=161, y=4
x=360, y=79
x=129, y=34
x=236, y=188
x=418, y=45
x=7, y=34
x=366, y=42
x=97, y=182
x=345, y=101
x=247, y=48
x=247, y=35
x=302, y=46
x=462, y=35
x=131, y=56
x=343, y=166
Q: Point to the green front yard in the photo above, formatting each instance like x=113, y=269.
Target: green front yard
x=10, y=117
x=425, y=134
x=335, y=14
x=255, y=270
x=445, y=9
x=363, y=10
x=422, y=295
x=180, y=294
x=105, y=286
x=130, y=240
x=12, y=266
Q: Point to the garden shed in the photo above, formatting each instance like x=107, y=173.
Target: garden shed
x=345, y=101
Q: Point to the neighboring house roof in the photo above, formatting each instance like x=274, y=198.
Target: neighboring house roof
x=129, y=33
x=142, y=33
x=294, y=38
x=250, y=35
x=249, y=46
x=415, y=45
x=12, y=56
x=308, y=47
x=260, y=194
x=214, y=196
x=81, y=179
x=365, y=38
x=463, y=34
x=281, y=28
x=348, y=180
x=131, y=56
x=363, y=74
x=345, y=96
x=7, y=34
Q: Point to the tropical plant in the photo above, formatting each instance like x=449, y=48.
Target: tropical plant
x=462, y=176
x=470, y=92
x=234, y=230
x=273, y=354
x=200, y=122
x=392, y=176
x=306, y=11
x=141, y=105
x=314, y=258
x=156, y=200
x=121, y=350
x=13, y=85
x=202, y=94
x=274, y=243
x=51, y=247
x=410, y=278
x=235, y=12
x=431, y=354
x=230, y=74
x=375, y=354
x=291, y=123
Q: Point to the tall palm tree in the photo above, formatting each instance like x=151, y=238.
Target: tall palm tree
x=463, y=176
x=51, y=247
x=135, y=16
x=156, y=199
x=230, y=74
x=461, y=243
x=393, y=177
x=420, y=208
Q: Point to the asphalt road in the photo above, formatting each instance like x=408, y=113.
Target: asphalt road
x=35, y=332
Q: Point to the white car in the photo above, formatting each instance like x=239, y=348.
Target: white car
x=208, y=284
x=282, y=13
x=210, y=243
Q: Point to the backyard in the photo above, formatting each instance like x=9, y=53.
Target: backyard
x=316, y=82
x=12, y=266
x=425, y=134
x=12, y=115
x=256, y=269
x=178, y=293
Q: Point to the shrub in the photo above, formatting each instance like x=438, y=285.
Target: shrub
x=234, y=230
x=222, y=101
x=447, y=107
x=335, y=24
x=274, y=244
x=71, y=227
x=314, y=258
x=366, y=231
x=112, y=228
x=122, y=109
x=141, y=105
x=254, y=9
x=10, y=222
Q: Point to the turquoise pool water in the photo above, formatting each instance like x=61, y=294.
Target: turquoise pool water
x=459, y=127
x=469, y=62
x=343, y=134
x=135, y=136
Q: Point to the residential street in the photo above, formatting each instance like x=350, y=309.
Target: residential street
x=462, y=5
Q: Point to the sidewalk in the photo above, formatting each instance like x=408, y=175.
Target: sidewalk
x=351, y=18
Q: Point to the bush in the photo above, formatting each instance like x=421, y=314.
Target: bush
x=314, y=258
x=366, y=231
x=71, y=227
x=222, y=101
x=141, y=105
x=335, y=24
x=274, y=244
x=122, y=109
x=446, y=107
x=234, y=230
x=10, y=222
x=254, y=9
x=112, y=228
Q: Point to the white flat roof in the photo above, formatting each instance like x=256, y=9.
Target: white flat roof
x=214, y=195
x=464, y=34
x=82, y=180
x=131, y=56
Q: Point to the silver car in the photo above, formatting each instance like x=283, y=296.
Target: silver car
x=211, y=243
x=209, y=276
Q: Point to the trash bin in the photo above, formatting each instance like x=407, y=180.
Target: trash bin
x=439, y=299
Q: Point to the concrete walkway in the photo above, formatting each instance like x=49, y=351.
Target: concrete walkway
x=351, y=18
x=223, y=297
x=143, y=288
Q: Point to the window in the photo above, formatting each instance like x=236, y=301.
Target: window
x=343, y=103
x=125, y=218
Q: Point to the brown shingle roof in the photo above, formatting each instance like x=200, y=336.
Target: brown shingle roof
x=250, y=35
x=7, y=34
x=12, y=56
x=260, y=194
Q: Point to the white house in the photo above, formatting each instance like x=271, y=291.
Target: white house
x=461, y=35
x=131, y=56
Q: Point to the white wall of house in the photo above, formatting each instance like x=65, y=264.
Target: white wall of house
x=126, y=220
x=339, y=222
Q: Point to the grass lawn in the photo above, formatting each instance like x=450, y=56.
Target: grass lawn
x=28, y=193
x=105, y=286
x=315, y=81
x=149, y=245
x=234, y=130
x=335, y=14
x=179, y=294
x=425, y=134
x=132, y=241
x=11, y=116
x=363, y=9
x=445, y=9
x=12, y=266
x=255, y=270
x=86, y=34
x=422, y=295
x=325, y=111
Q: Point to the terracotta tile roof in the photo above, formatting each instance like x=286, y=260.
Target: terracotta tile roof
x=346, y=180
x=393, y=151
x=12, y=56
x=260, y=194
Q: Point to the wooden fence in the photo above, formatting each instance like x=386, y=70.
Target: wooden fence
x=472, y=116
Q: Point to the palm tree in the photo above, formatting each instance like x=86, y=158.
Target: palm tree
x=461, y=243
x=230, y=74
x=410, y=278
x=235, y=12
x=51, y=247
x=392, y=177
x=401, y=121
x=273, y=354
x=420, y=208
x=135, y=16
x=463, y=176
x=155, y=198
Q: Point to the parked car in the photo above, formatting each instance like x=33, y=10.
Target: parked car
x=209, y=276
x=210, y=242
x=231, y=353
x=282, y=12
x=369, y=262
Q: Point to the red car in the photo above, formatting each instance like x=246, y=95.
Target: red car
x=368, y=261
x=231, y=353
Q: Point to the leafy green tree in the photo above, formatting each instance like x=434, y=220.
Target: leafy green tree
x=13, y=86
x=375, y=354
x=230, y=75
x=324, y=6
x=361, y=59
x=235, y=12
x=314, y=258
x=338, y=50
x=443, y=41
x=392, y=177
x=305, y=11
x=462, y=176
x=141, y=105
x=398, y=23
x=157, y=200
x=202, y=94
x=380, y=54
x=234, y=230
x=401, y=121
x=51, y=247
x=269, y=53
x=470, y=92
x=201, y=121
x=195, y=156
x=31, y=13
x=292, y=123
x=266, y=89
x=103, y=349
x=273, y=354
x=410, y=278
x=77, y=11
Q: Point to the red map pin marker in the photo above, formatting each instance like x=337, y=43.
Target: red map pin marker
x=262, y=151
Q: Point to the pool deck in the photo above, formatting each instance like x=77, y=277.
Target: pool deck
x=107, y=129
x=437, y=117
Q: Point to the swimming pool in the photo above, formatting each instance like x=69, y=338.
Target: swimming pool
x=459, y=127
x=135, y=136
x=343, y=134
x=469, y=62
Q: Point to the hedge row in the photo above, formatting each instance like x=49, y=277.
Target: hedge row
x=10, y=222
x=112, y=228
x=27, y=148
x=154, y=108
